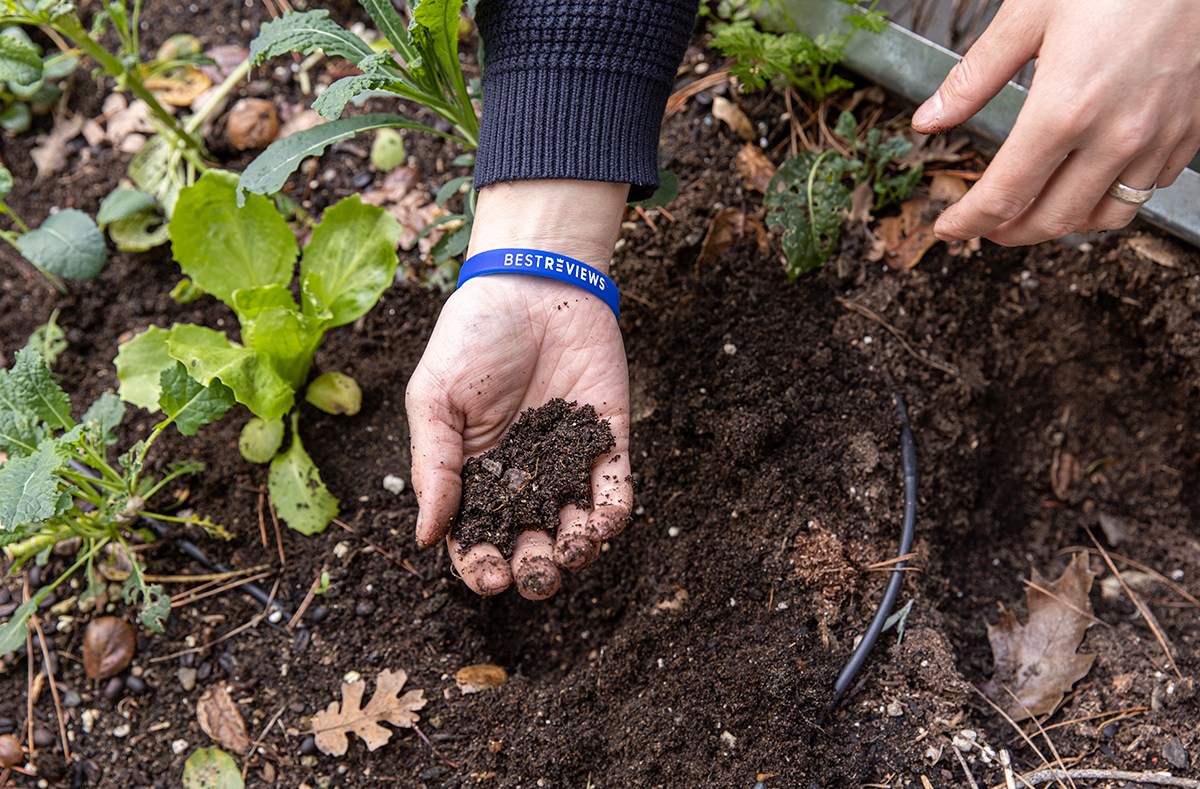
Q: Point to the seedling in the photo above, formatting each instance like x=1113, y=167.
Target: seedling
x=809, y=196
x=68, y=245
x=422, y=66
x=171, y=159
x=787, y=59
x=60, y=482
x=246, y=258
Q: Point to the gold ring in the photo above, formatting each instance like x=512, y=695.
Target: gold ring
x=1129, y=195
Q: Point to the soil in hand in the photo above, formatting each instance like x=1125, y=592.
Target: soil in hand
x=543, y=463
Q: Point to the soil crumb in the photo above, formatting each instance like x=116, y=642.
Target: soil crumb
x=543, y=463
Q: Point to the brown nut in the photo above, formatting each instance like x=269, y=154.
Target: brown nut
x=11, y=753
x=252, y=124
x=108, y=646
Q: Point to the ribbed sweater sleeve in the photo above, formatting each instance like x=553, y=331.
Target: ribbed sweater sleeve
x=576, y=88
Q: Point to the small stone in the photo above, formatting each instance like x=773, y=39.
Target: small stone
x=341, y=549
x=1175, y=753
x=187, y=678
x=71, y=699
x=89, y=719
x=122, y=730
x=275, y=617
x=318, y=614
x=674, y=531
x=728, y=740
x=393, y=484
x=895, y=709
x=178, y=746
x=364, y=608
x=136, y=685
x=42, y=738
x=308, y=746
x=114, y=688
x=730, y=348
x=351, y=677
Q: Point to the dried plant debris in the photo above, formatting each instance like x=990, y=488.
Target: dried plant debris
x=480, y=676
x=543, y=463
x=108, y=646
x=221, y=719
x=1038, y=662
x=333, y=726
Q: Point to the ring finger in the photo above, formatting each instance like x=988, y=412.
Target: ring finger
x=1142, y=173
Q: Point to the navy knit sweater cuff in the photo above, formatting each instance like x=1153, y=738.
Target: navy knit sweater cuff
x=572, y=123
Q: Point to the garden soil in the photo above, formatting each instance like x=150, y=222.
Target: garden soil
x=1051, y=388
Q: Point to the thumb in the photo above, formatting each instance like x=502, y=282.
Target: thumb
x=437, y=459
x=1010, y=41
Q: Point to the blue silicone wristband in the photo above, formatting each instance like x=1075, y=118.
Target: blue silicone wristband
x=543, y=264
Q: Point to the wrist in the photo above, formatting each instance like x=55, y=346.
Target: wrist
x=579, y=219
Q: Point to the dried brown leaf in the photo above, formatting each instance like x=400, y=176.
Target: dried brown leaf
x=481, y=676
x=333, y=725
x=732, y=116
x=755, y=168
x=221, y=719
x=725, y=227
x=901, y=241
x=1038, y=661
x=179, y=88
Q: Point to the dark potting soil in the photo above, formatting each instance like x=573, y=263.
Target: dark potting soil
x=542, y=463
x=701, y=649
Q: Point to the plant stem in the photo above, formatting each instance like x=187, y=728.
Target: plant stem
x=193, y=123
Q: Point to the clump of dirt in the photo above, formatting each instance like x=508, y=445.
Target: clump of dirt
x=543, y=463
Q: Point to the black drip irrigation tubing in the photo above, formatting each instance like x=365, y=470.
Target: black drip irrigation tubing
x=908, y=460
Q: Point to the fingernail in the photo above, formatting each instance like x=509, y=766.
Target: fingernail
x=929, y=113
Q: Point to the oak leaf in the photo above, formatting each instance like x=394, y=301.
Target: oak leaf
x=332, y=726
x=221, y=719
x=1038, y=662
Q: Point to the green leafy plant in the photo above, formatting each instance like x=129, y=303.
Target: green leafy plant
x=809, y=196
x=28, y=79
x=246, y=258
x=68, y=245
x=61, y=483
x=422, y=66
x=785, y=59
x=174, y=157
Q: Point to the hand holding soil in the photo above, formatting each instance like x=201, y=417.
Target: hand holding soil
x=507, y=343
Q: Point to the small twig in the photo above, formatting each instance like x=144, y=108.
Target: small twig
x=645, y=217
x=404, y=564
x=1118, y=715
x=62, y=726
x=1093, y=618
x=252, y=623
x=966, y=769
x=871, y=315
x=1045, y=735
x=1158, y=779
x=29, y=677
x=308, y=598
x=886, y=564
x=1137, y=602
x=262, y=518
x=680, y=98
x=1032, y=745
x=254, y=745
x=188, y=597
x=206, y=578
x=433, y=747
x=1179, y=590
x=278, y=534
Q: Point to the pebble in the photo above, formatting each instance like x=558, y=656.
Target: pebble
x=393, y=484
x=179, y=746
x=114, y=688
x=89, y=718
x=364, y=608
x=71, y=699
x=227, y=663
x=205, y=671
x=303, y=639
x=122, y=731
x=728, y=740
x=42, y=738
x=351, y=677
x=674, y=531
x=1175, y=753
x=308, y=746
x=187, y=678
x=136, y=685
x=318, y=614
x=361, y=180
x=895, y=709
